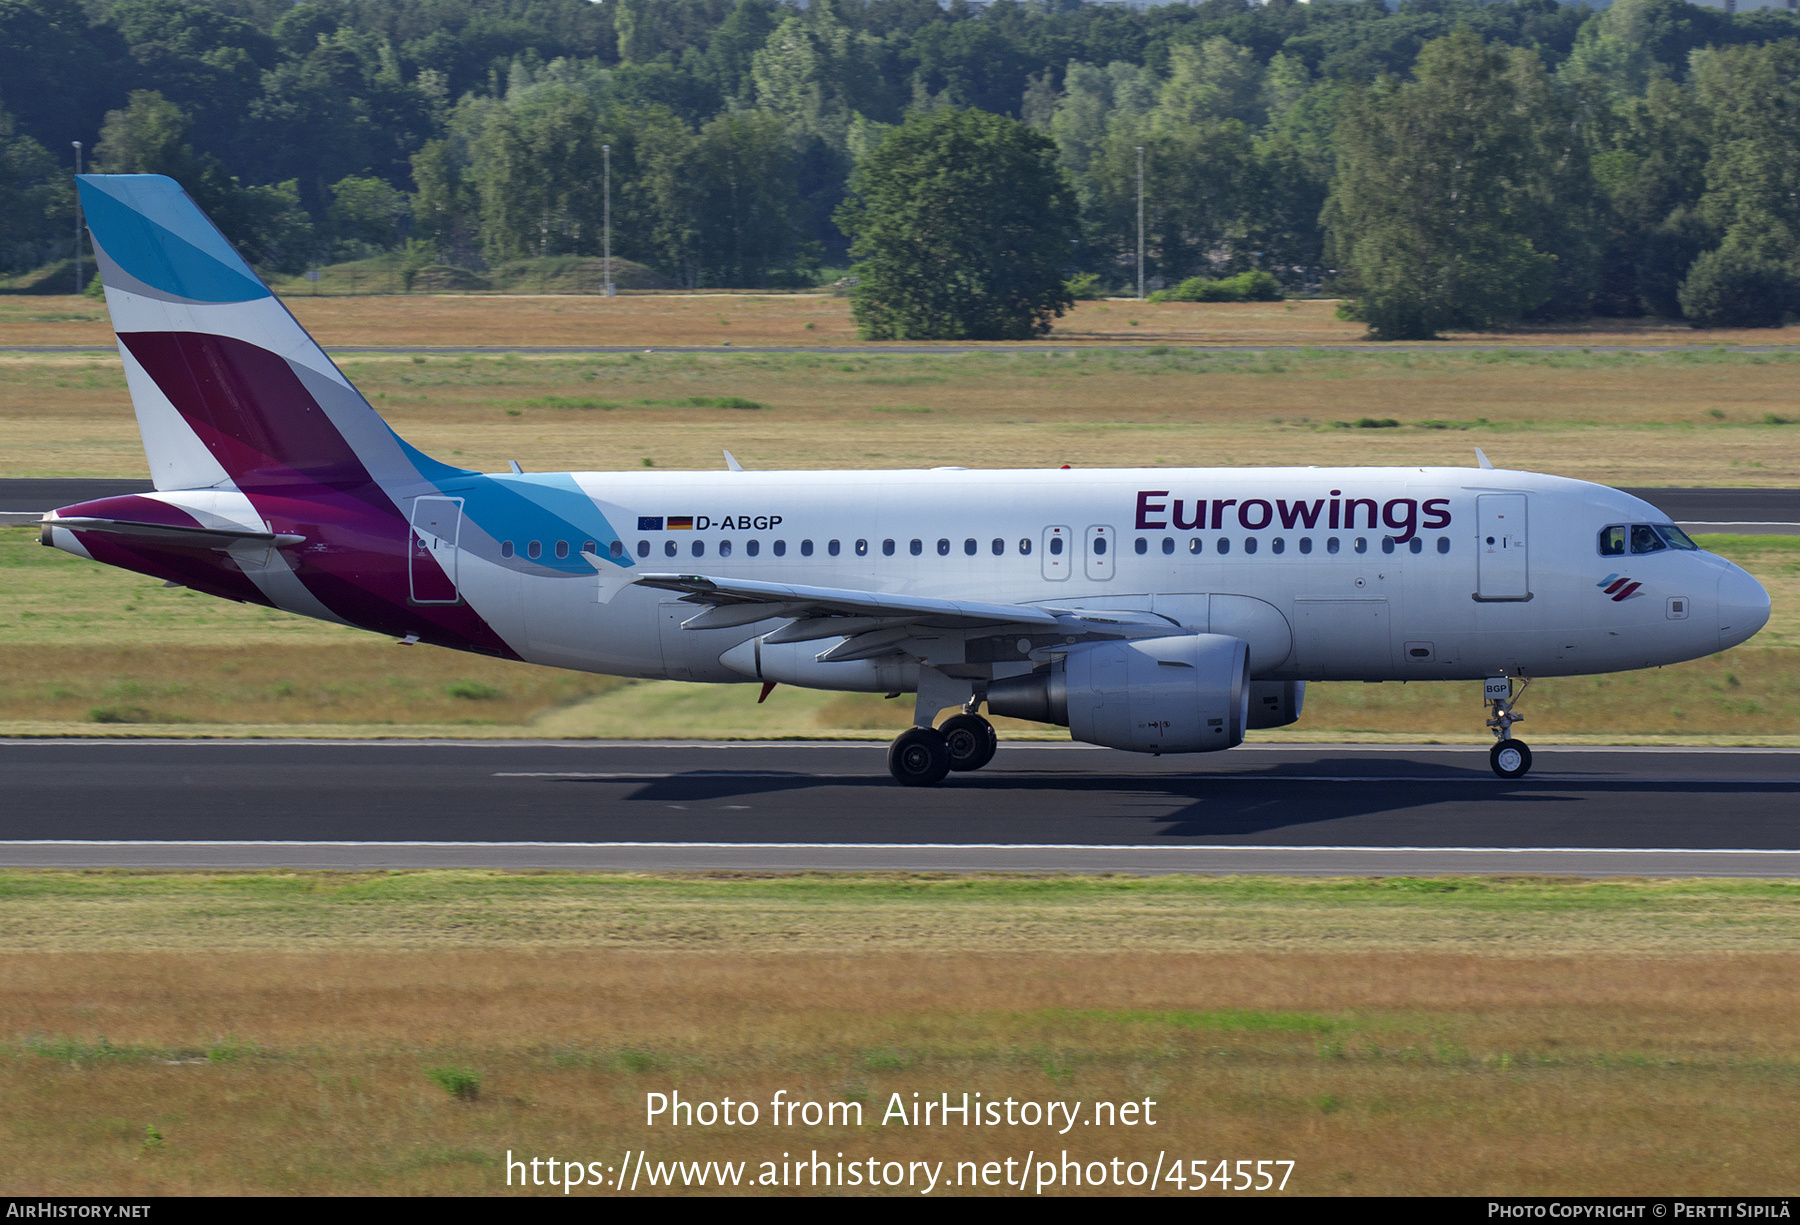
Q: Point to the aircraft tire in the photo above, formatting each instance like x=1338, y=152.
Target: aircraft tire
x=1510, y=758
x=919, y=757
x=971, y=739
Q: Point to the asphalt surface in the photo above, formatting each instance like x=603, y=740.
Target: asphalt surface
x=1300, y=809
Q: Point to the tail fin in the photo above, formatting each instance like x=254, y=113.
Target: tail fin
x=229, y=390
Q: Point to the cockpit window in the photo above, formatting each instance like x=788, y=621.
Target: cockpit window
x=1645, y=540
x=1612, y=541
x=1677, y=538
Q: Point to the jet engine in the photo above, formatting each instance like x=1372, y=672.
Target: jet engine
x=1183, y=694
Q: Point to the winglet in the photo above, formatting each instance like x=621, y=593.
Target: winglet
x=731, y=462
x=1482, y=459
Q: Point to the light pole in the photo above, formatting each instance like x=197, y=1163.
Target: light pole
x=78, y=285
x=1140, y=156
x=606, y=227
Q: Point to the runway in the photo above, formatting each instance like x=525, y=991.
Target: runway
x=831, y=805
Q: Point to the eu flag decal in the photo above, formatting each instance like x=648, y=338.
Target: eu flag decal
x=650, y=523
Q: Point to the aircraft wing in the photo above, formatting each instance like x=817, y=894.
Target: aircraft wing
x=832, y=611
x=875, y=623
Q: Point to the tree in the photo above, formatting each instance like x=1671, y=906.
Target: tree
x=962, y=222
x=1430, y=211
x=36, y=202
x=1734, y=288
x=150, y=137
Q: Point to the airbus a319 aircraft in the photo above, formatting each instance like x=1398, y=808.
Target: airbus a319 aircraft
x=1152, y=610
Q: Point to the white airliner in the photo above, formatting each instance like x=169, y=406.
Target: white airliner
x=1153, y=610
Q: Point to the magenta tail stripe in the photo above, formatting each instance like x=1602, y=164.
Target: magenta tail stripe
x=256, y=416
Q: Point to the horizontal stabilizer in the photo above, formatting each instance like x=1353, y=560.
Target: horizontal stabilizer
x=171, y=534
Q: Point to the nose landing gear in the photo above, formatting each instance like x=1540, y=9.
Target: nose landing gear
x=1509, y=758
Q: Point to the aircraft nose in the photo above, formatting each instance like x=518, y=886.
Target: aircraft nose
x=1743, y=607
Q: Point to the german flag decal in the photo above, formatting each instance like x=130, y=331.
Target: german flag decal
x=681, y=523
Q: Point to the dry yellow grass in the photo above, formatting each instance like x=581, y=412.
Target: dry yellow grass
x=801, y=319
x=1693, y=418
x=1422, y=1037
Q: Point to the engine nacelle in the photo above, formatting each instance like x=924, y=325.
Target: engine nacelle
x=1184, y=694
x=1276, y=703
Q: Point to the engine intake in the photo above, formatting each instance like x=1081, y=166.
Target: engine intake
x=1188, y=693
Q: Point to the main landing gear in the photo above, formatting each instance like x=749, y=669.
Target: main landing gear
x=922, y=756
x=1509, y=758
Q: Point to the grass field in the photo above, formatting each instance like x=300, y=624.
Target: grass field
x=258, y=1033
x=1708, y=416
x=798, y=319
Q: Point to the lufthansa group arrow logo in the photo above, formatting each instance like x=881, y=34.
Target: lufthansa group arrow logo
x=1618, y=587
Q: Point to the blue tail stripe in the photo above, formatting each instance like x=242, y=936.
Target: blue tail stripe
x=147, y=225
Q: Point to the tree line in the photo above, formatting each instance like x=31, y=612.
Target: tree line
x=1443, y=164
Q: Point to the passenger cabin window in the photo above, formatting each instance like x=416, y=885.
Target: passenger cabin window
x=617, y=548
x=752, y=547
x=943, y=548
x=1362, y=544
x=1416, y=545
x=1056, y=546
x=887, y=548
x=1168, y=544
x=699, y=549
x=1249, y=544
x=968, y=548
x=916, y=548
x=1024, y=546
x=1443, y=544
x=1645, y=540
x=724, y=548
x=1306, y=544
x=1278, y=545
x=1224, y=545
x=862, y=548
x=562, y=549
x=643, y=548
x=1612, y=541
x=588, y=546
x=780, y=547
x=668, y=548
x=534, y=550
x=999, y=546
x=806, y=548
x=833, y=548
x=1142, y=546
x=506, y=548
x=1196, y=545
x=1331, y=544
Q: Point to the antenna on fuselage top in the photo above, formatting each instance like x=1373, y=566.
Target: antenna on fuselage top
x=1482, y=459
x=731, y=462
x=518, y=471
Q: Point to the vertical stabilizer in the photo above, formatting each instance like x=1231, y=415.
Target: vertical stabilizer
x=229, y=390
